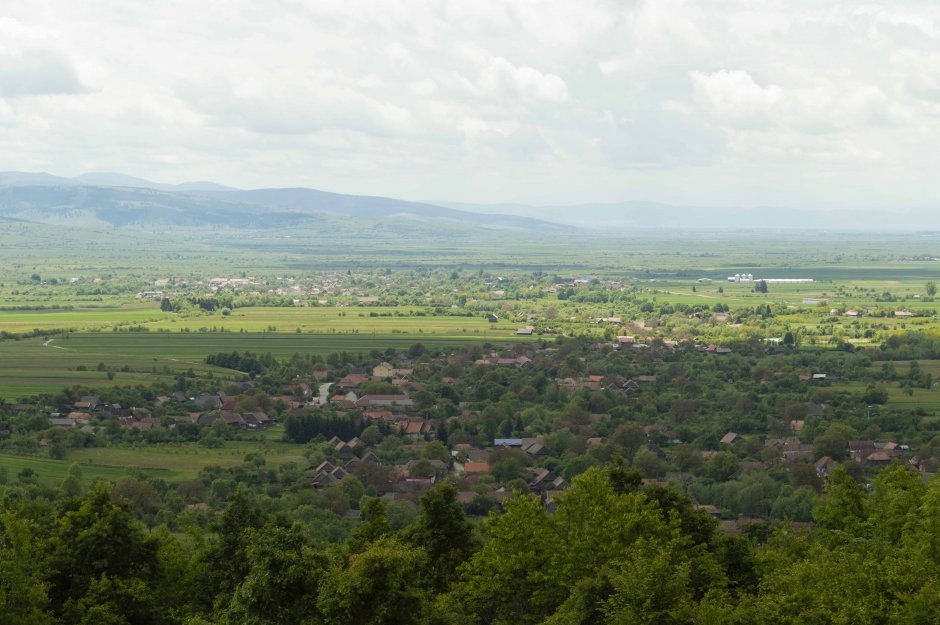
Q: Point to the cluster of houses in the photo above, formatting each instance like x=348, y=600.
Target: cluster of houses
x=81, y=412
x=469, y=464
x=473, y=463
x=494, y=359
x=340, y=288
x=345, y=462
x=854, y=313
x=216, y=406
x=865, y=452
x=721, y=350
x=334, y=285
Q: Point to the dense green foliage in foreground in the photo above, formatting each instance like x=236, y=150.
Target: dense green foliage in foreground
x=612, y=552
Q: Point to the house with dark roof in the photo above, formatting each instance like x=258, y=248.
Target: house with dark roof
x=370, y=401
x=343, y=451
x=208, y=401
x=541, y=479
x=536, y=450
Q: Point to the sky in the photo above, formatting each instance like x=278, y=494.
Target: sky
x=800, y=103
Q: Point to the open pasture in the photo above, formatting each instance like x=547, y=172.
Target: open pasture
x=901, y=367
x=51, y=472
x=32, y=366
x=183, y=461
x=324, y=320
x=928, y=400
x=193, y=347
x=875, y=300
x=839, y=294
x=171, y=462
x=899, y=397
x=79, y=318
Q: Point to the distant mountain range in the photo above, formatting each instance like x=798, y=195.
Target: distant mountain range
x=118, y=200
x=101, y=179
x=633, y=215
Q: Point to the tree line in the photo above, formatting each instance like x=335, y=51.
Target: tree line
x=609, y=550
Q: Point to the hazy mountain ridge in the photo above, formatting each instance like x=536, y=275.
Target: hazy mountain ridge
x=302, y=198
x=120, y=200
x=632, y=215
x=101, y=179
x=112, y=179
x=123, y=207
x=123, y=201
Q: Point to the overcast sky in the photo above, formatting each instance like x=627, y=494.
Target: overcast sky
x=801, y=103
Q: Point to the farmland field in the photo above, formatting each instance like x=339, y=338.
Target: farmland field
x=31, y=366
x=80, y=318
x=193, y=347
x=183, y=461
x=322, y=320
x=171, y=462
x=51, y=472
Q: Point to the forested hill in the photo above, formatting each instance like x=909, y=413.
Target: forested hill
x=612, y=551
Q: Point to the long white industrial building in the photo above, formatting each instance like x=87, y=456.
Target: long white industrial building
x=747, y=277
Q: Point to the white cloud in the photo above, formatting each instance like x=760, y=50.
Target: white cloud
x=37, y=72
x=502, y=78
x=734, y=94
x=520, y=100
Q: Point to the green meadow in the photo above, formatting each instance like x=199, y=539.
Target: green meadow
x=80, y=318
x=324, y=320
x=193, y=347
x=171, y=462
x=51, y=472
x=31, y=366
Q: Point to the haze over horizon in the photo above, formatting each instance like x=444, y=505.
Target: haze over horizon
x=800, y=104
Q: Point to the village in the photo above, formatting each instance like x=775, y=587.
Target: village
x=526, y=418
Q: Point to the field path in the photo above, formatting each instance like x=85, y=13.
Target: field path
x=49, y=344
x=324, y=393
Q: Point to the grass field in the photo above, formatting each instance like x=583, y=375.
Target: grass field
x=184, y=461
x=322, y=320
x=901, y=367
x=52, y=472
x=928, y=400
x=80, y=318
x=379, y=320
x=193, y=347
x=171, y=462
x=32, y=366
x=743, y=293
